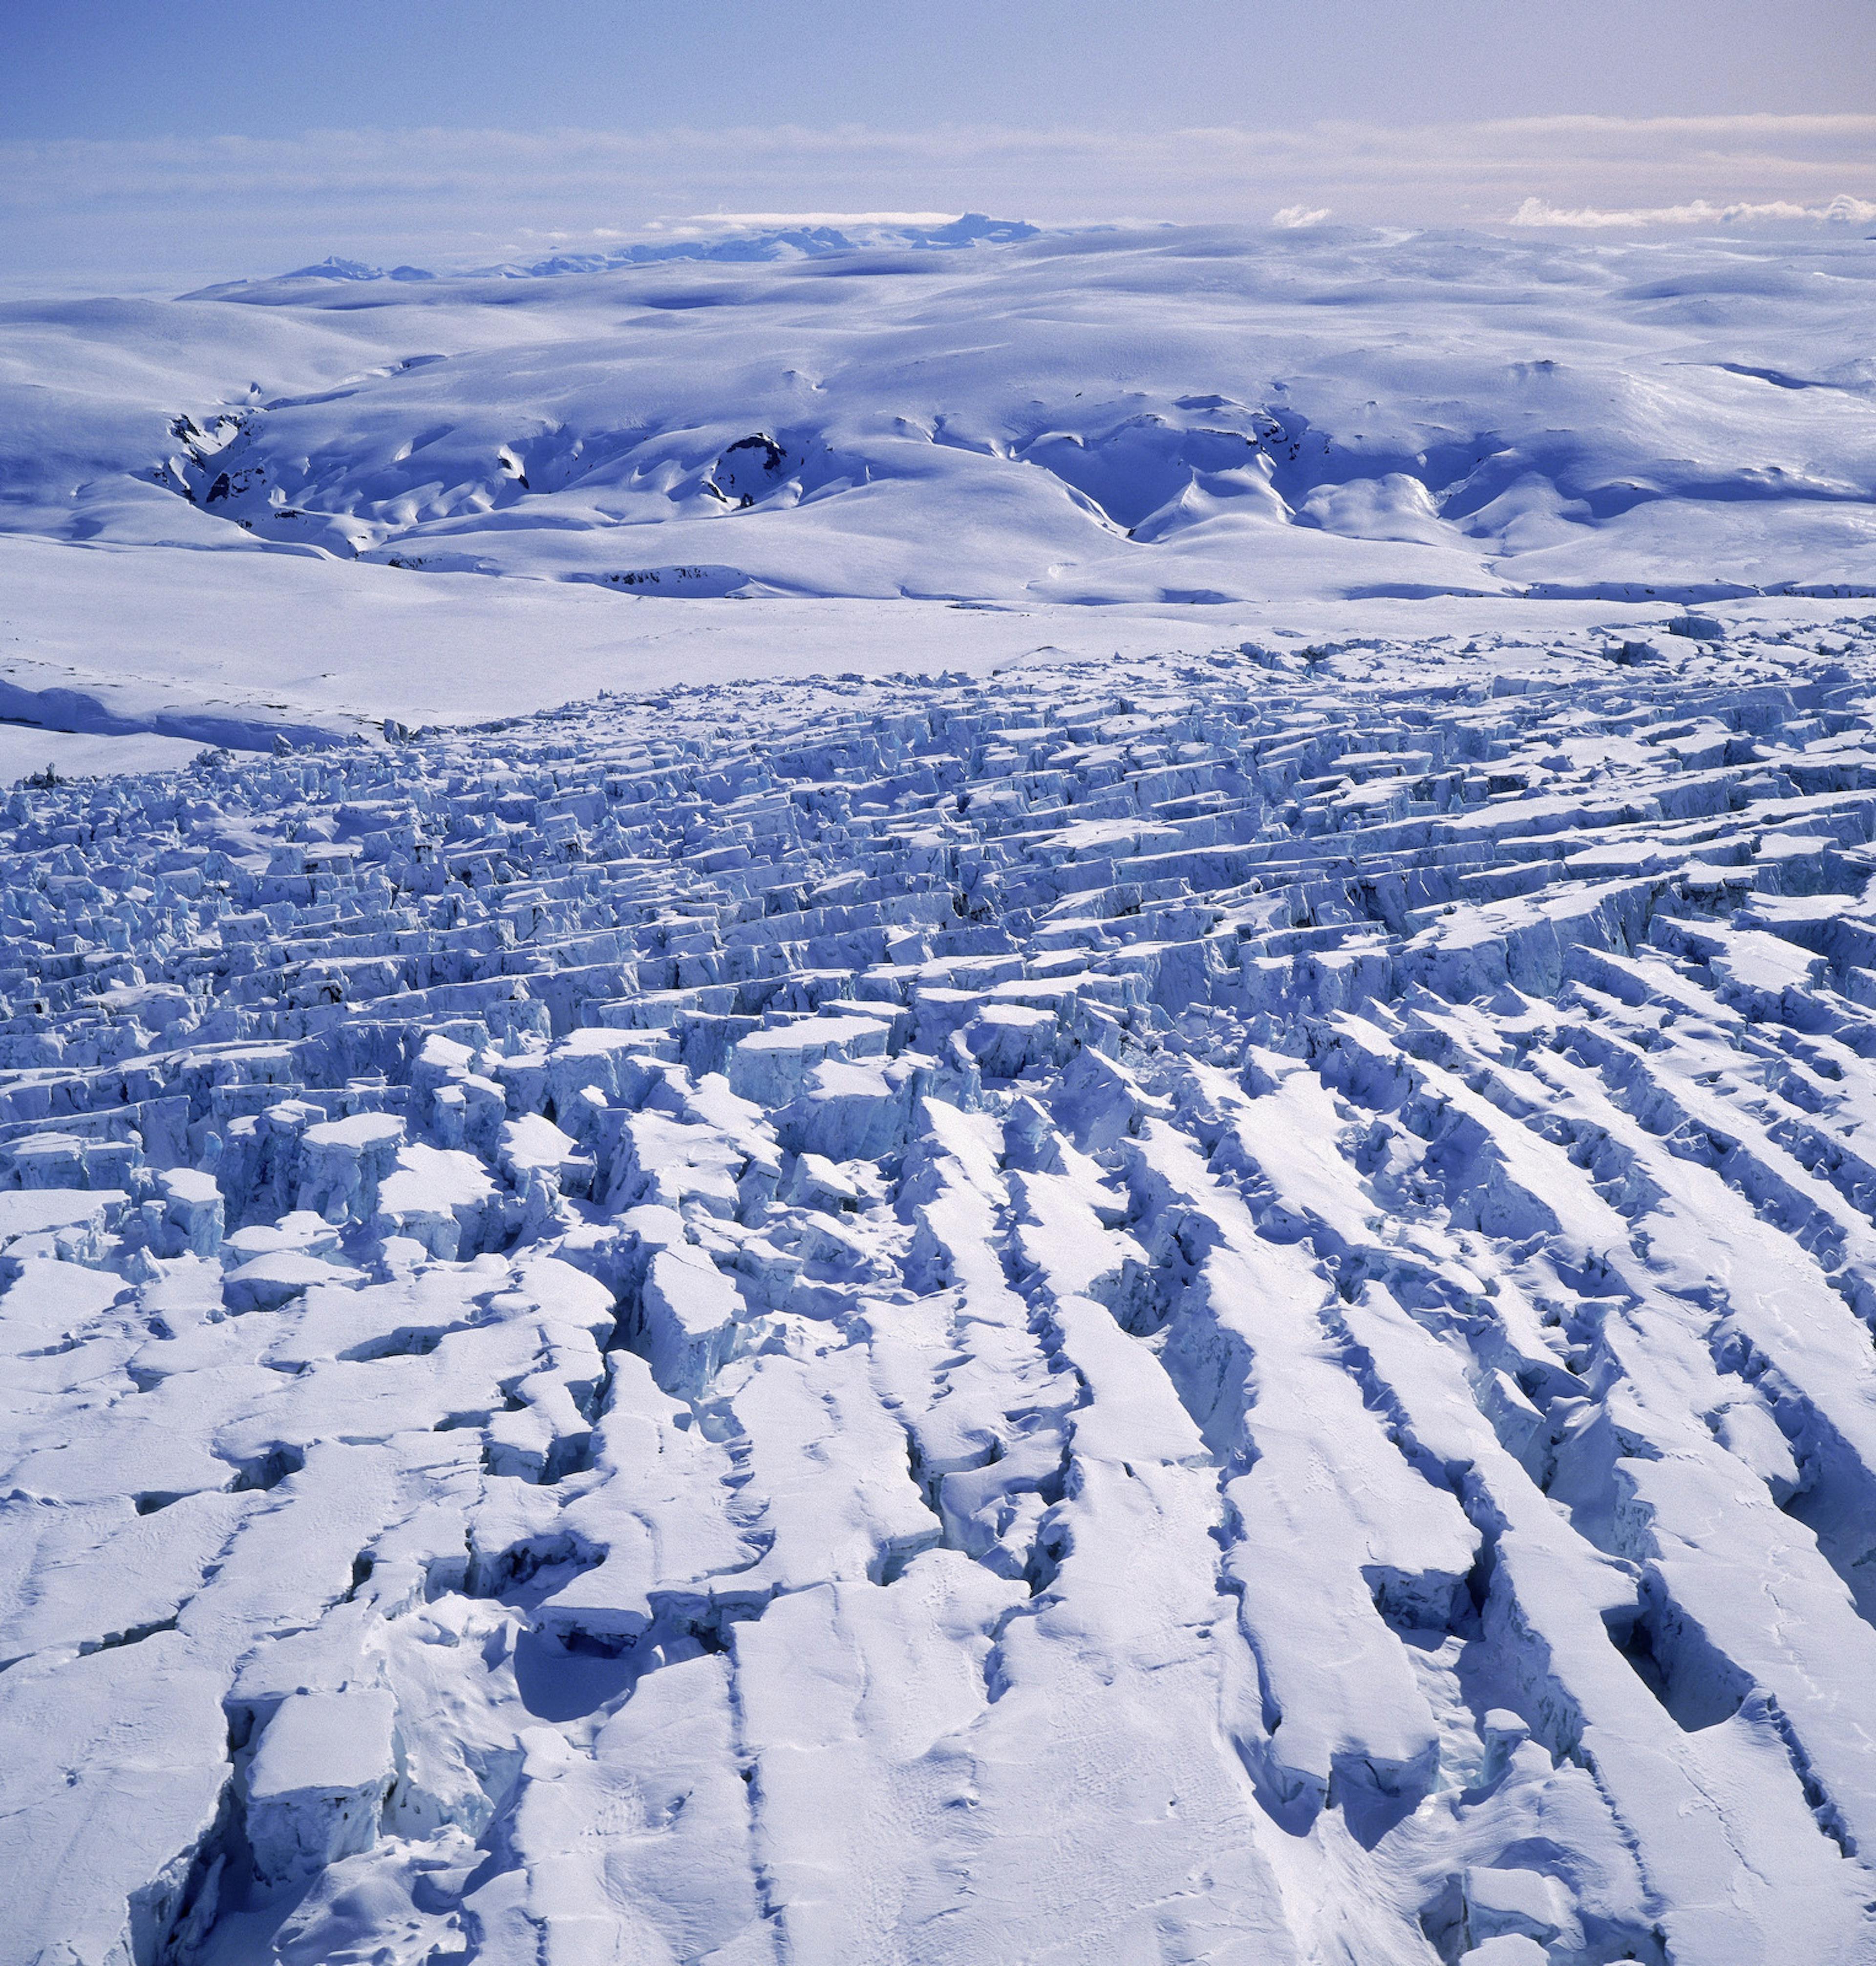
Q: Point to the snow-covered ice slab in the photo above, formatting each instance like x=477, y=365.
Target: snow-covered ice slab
x=1185, y=1307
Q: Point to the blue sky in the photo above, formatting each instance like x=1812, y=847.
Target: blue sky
x=144, y=144
x=123, y=68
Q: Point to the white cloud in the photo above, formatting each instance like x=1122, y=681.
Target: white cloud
x=171, y=213
x=701, y=224
x=1842, y=209
x=1292, y=216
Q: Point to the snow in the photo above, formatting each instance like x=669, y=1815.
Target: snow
x=220, y=514
x=1042, y=1281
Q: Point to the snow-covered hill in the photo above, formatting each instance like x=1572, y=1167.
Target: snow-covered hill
x=1166, y=414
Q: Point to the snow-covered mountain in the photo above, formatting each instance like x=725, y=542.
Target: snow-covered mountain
x=805, y=241
x=1168, y=414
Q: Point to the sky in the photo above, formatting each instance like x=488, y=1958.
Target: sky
x=144, y=146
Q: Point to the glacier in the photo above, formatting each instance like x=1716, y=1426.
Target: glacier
x=1206, y=1308
x=1105, y=1190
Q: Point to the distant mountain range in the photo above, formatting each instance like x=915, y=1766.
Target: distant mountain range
x=805, y=242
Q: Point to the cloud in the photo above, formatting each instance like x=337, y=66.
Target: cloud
x=699, y=226
x=1292, y=216
x=1842, y=209
x=165, y=213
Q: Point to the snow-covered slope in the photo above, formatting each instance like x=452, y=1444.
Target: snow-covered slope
x=1177, y=1310
x=1172, y=414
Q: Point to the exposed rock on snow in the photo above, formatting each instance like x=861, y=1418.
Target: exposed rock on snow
x=1208, y=1309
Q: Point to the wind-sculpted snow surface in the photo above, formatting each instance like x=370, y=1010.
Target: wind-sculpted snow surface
x=1215, y=1309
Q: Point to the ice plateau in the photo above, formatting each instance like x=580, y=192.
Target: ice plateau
x=1023, y=1281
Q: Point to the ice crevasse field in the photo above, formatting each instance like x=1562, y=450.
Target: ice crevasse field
x=943, y=1095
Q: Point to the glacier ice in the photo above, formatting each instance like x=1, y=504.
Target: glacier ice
x=1213, y=1306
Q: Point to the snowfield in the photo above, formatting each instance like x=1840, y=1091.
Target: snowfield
x=1005, y=1098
